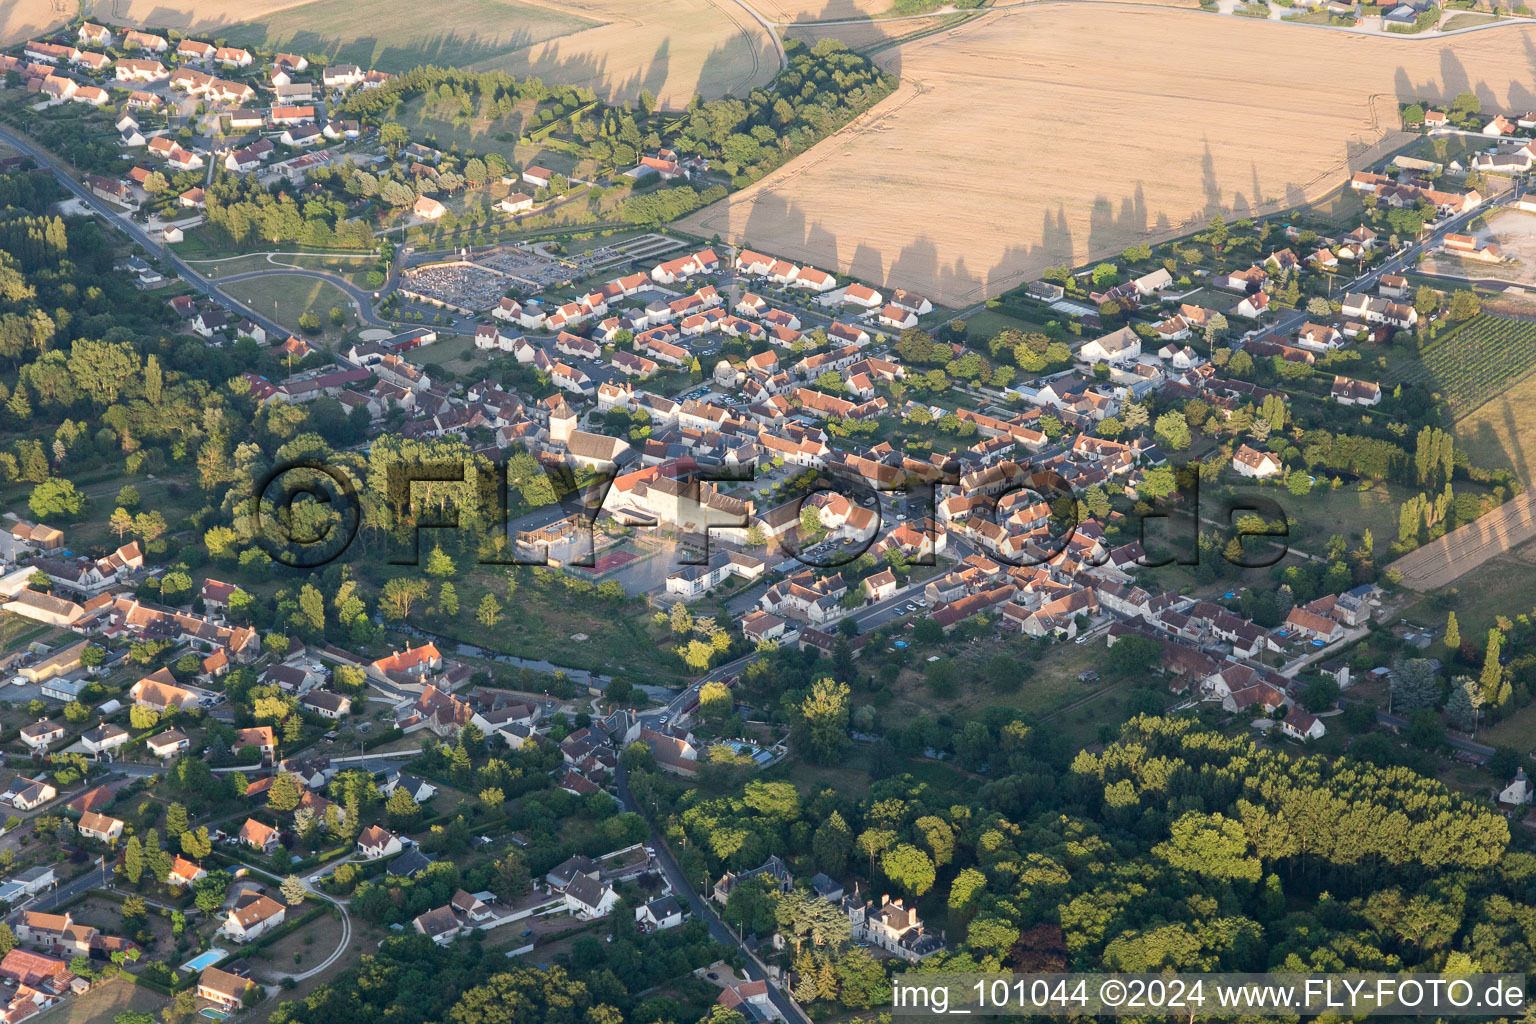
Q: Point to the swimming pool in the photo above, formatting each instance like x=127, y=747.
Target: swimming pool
x=203, y=960
x=213, y=1014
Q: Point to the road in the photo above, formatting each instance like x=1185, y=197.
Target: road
x=1460, y=743
x=96, y=878
x=1402, y=261
x=701, y=910
x=23, y=145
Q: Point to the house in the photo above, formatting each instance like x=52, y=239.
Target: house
x=168, y=743
x=1359, y=306
x=100, y=826
x=515, y=203
x=95, y=35
x=1255, y=464
x=1298, y=724
x=258, y=835
x=104, y=739
x=1122, y=346
x=537, y=176
x=41, y=734
x=1518, y=792
x=25, y=794
x=420, y=790
x=441, y=925
x=1310, y=625
x=896, y=318
x=428, y=208
x=252, y=916
x=223, y=989
x=750, y=1000
x=659, y=914
x=342, y=76
x=261, y=737
x=893, y=927
x=589, y=898
x=375, y=841
x=1355, y=392
x=326, y=704
x=1252, y=306
x=130, y=69
x=159, y=691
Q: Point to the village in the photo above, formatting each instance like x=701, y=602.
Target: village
x=1127, y=482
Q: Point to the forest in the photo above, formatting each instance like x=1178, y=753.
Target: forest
x=1175, y=847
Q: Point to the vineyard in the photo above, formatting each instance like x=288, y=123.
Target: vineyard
x=1476, y=361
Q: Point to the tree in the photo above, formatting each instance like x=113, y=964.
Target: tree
x=1133, y=657
x=285, y=793
x=489, y=612
x=831, y=844
x=1495, y=688
x=1464, y=703
x=402, y=808
x=1173, y=430
x=399, y=595
x=308, y=321
x=121, y=521
x=1464, y=305
x=1452, y=632
x=176, y=820
x=439, y=564
x=293, y=890
x=715, y=700
x=824, y=719
x=1415, y=683
x=133, y=860
x=909, y=868
x=56, y=498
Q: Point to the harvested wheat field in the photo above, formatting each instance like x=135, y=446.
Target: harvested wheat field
x=394, y=35
x=21, y=20
x=1060, y=133
x=674, y=48
x=184, y=16
x=868, y=35
x=1442, y=562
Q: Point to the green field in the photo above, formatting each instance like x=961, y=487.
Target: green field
x=397, y=35
x=285, y=298
x=1497, y=433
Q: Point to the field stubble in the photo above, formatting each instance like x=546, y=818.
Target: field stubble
x=1032, y=137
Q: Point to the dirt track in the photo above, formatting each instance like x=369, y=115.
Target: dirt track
x=1442, y=562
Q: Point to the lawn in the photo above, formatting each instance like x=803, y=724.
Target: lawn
x=541, y=623
x=986, y=324
x=1505, y=585
x=286, y=299
x=1465, y=20
x=104, y=1002
x=398, y=35
x=1495, y=434
x=1345, y=510
x=352, y=268
x=313, y=943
